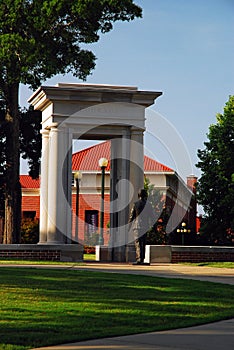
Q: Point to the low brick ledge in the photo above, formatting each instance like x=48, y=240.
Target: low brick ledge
x=53, y=252
x=176, y=254
x=201, y=254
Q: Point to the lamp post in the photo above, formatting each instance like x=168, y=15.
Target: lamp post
x=183, y=230
x=103, y=162
x=77, y=177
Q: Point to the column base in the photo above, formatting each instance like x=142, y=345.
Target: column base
x=103, y=253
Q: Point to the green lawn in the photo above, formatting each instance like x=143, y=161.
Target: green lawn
x=221, y=264
x=92, y=257
x=89, y=257
x=42, y=307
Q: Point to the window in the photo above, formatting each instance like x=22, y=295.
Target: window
x=91, y=220
x=29, y=215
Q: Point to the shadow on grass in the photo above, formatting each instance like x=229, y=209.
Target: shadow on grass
x=44, y=307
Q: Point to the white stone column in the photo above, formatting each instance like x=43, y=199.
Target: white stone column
x=137, y=161
x=58, y=202
x=67, y=182
x=44, y=186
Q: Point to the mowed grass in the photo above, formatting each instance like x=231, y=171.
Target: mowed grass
x=41, y=307
x=220, y=264
x=90, y=257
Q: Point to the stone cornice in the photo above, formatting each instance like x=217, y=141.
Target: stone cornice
x=44, y=95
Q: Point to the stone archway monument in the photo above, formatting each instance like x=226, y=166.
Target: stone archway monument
x=90, y=112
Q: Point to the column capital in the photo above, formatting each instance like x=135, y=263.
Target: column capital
x=136, y=131
x=44, y=132
x=54, y=127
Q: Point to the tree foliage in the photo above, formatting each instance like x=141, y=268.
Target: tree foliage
x=30, y=140
x=2, y=157
x=43, y=38
x=30, y=145
x=39, y=39
x=215, y=190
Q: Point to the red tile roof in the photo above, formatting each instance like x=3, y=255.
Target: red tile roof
x=87, y=160
x=152, y=165
x=27, y=182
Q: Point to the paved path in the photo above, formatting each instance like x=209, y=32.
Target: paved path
x=202, y=273
x=213, y=336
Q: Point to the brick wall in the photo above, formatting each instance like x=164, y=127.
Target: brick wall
x=86, y=202
x=90, y=202
x=201, y=254
x=197, y=257
x=31, y=203
x=46, y=255
x=61, y=252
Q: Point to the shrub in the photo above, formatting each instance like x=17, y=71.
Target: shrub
x=29, y=231
x=89, y=249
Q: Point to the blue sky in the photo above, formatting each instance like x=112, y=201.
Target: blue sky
x=184, y=48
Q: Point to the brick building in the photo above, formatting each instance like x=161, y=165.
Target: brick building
x=165, y=179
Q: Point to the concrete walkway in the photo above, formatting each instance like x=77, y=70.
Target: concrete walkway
x=213, y=336
x=202, y=273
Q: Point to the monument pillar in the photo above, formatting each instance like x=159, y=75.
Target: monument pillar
x=58, y=229
x=97, y=112
x=119, y=191
x=44, y=186
x=137, y=161
x=136, y=178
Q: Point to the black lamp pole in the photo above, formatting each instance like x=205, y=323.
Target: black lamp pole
x=77, y=176
x=183, y=230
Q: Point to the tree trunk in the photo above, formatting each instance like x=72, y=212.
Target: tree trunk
x=13, y=188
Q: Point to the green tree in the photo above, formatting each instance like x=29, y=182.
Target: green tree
x=30, y=139
x=215, y=189
x=30, y=146
x=2, y=158
x=39, y=39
